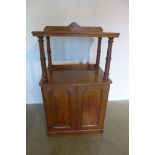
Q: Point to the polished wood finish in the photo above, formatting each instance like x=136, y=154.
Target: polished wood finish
x=75, y=95
x=74, y=30
x=75, y=101
x=49, y=51
x=98, y=52
x=72, y=67
x=104, y=34
x=60, y=107
x=108, y=59
x=85, y=76
x=75, y=132
x=42, y=58
x=92, y=105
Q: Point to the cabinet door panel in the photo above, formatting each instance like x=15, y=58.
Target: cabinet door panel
x=60, y=100
x=60, y=107
x=90, y=107
x=92, y=101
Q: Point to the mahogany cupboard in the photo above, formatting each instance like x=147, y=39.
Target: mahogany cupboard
x=75, y=95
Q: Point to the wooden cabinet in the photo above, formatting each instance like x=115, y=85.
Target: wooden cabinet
x=75, y=108
x=75, y=95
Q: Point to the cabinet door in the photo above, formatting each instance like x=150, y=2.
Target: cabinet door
x=60, y=107
x=92, y=101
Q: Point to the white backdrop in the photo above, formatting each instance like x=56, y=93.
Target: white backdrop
x=111, y=15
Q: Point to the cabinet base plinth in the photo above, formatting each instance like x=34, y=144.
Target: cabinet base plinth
x=74, y=132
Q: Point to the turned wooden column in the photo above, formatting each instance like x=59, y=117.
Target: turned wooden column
x=49, y=51
x=108, y=59
x=98, y=52
x=42, y=59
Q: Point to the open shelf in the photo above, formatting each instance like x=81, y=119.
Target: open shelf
x=86, y=76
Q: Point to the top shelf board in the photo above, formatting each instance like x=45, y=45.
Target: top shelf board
x=74, y=30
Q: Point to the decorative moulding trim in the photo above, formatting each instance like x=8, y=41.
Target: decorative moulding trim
x=113, y=96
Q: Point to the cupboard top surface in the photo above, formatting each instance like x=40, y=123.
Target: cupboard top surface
x=75, y=77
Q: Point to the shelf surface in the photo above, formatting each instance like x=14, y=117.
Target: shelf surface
x=75, y=77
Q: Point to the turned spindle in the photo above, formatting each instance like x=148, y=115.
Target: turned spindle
x=49, y=51
x=108, y=59
x=42, y=59
x=98, y=52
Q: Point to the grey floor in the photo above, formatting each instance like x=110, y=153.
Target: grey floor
x=114, y=140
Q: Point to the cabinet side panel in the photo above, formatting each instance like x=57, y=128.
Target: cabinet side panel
x=103, y=107
x=47, y=108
